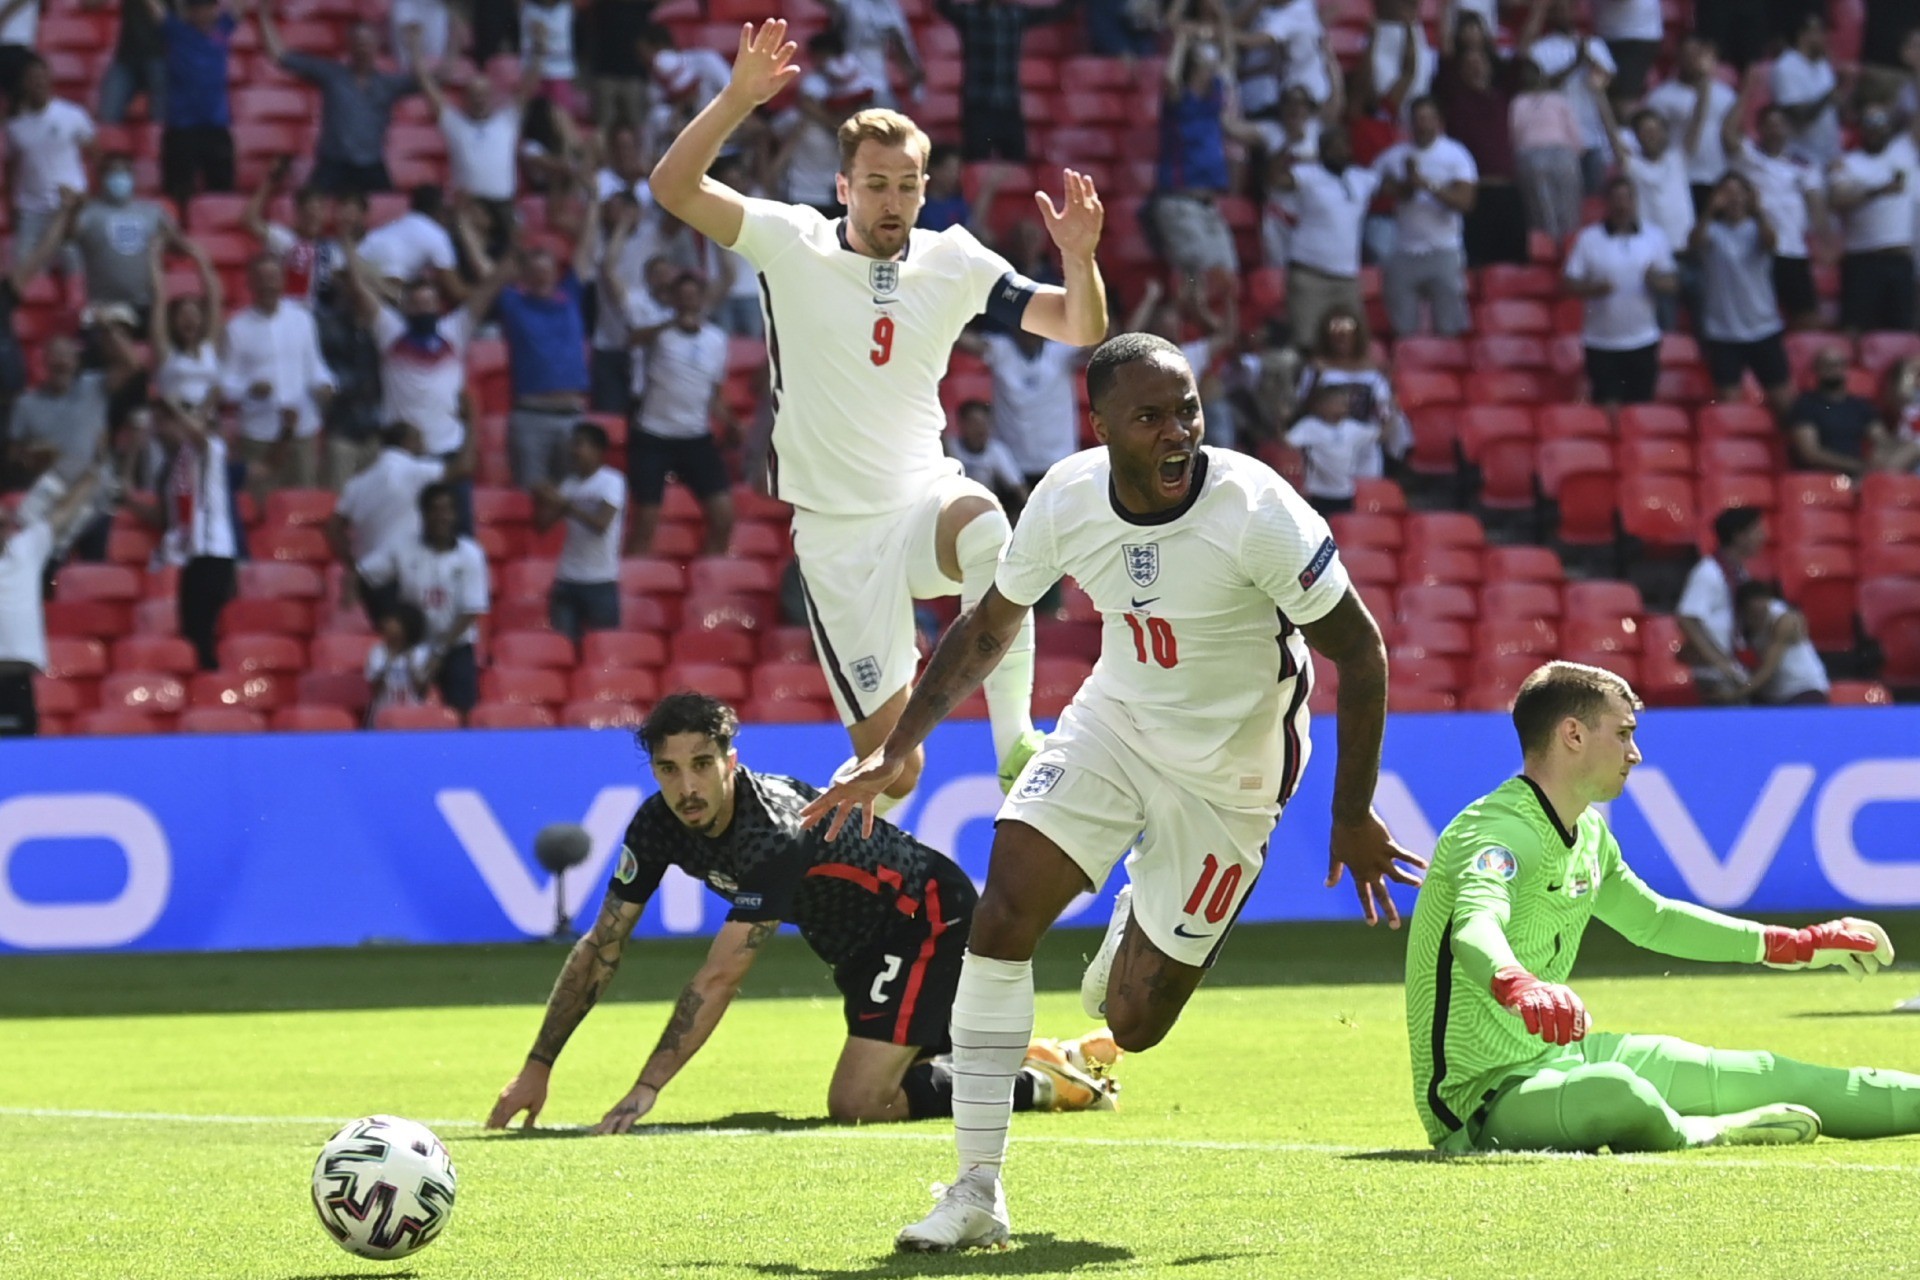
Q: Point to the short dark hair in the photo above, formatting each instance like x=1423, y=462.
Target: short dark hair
x=688, y=711
x=394, y=434
x=425, y=198
x=1747, y=592
x=593, y=433
x=827, y=43
x=974, y=406
x=1120, y=350
x=308, y=194
x=1558, y=690
x=1644, y=114
x=1734, y=521
x=413, y=623
x=1426, y=100
x=433, y=493
x=659, y=34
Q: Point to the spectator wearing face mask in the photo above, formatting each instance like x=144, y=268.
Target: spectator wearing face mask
x=1829, y=428
x=115, y=235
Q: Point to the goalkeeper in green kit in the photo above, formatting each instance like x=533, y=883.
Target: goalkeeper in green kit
x=1502, y=1056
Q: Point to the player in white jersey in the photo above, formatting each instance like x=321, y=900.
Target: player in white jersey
x=1214, y=579
x=862, y=313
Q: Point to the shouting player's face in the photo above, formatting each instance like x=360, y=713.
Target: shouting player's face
x=1610, y=751
x=696, y=777
x=883, y=193
x=1150, y=422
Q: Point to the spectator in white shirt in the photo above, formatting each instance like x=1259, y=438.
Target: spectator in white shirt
x=1337, y=449
x=1633, y=30
x=1329, y=202
x=400, y=665
x=1399, y=63
x=274, y=372
x=686, y=371
x=188, y=334
x=445, y=576
x=1695, y=105
x=1433, y=181
x=809, y=154
x=192, y=505
x=414, y=246
x=1618, y=266
x=483, y=143
x=379, y=512
x=50, y=144
x=1868, y=189
x=738, y=311
x=1295, y=27
x=546, y=36
x=986, y=460
x=632, y=304
x=1806, y=88
x=1706, y=612
x=1566, y=58
x=877, y=33
x=1740, y=321
x=1792, y=195
x=27, y=544
x=1789, y=671
x=309, y=251
x=592, y=499
x=1658, y=171
x=1034, y=414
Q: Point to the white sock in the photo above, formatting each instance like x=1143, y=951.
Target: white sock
x=991, y=1028
x=1009, y=687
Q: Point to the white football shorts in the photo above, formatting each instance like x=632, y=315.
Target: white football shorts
x=1193, y=862
x=861, y=575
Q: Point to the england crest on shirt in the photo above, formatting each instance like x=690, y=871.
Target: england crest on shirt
x=1143, y=562
x=883, y=276
x=866, y=674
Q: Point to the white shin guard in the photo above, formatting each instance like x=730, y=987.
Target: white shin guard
x=991, y=1028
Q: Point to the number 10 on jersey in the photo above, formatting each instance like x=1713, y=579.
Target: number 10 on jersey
x=1156, y=634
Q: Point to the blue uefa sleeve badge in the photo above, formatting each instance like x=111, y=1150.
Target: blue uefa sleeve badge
x=1495, y=861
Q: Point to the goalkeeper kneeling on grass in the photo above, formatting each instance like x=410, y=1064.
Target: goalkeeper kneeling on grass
x=1503, y=1059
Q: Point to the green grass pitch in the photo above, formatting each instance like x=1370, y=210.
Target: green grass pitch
x=159, y=1116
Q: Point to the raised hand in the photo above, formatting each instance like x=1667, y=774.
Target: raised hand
x=525, y=1092
x=1075, y=225
x=764, y=65
x=1368, y=850
x=859, y=786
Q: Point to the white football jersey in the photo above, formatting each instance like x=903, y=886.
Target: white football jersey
x=1202, y=663
x=858, y=347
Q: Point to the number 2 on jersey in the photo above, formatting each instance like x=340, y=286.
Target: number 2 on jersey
x=1158, y=632
x=1223, y=893
x=882, y=340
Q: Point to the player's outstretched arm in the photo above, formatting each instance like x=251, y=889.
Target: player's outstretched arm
x=695, y=1015
x=1348, y=637
x=584, y=979
x=762, y=67
x=966, y=655
x=1077, y=314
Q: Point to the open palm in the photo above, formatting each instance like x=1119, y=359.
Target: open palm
x=764, y=65
x=1075, y=224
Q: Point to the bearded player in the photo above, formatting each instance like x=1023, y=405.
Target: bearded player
x=889, y=914
x=1503, y=1058
x=1214, y=579
x=862, y=313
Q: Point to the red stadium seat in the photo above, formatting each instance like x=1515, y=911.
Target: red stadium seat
x=720, y=612
x=1524, y=564
x=347, y=690
x=1440, y=602
x=1440, y=564
x=1804, y=348
x=1654, y=421
x=1658, y=511
x=1573, y=422
x=512, y=715
x=729, y=684
x=1823, y=583
x=1370, y=565
x=532, y=649
x=1660, y=456
x=267, y=617
x=615, y=684
x=1881, y=351
x=1806, y=525
x=1444, y=529
x=1495, y=352
x=1890, y=525
x=1535, y=637
x=77, y=658
x=340, y=653
x=221, y=720
x=1889, y=560
x=603, y=649
x=528, y=579
x=1510, y=386
x=1733, y=455
x=147, y=692
x=1436, y=436
x=79, y=583
x=1880, y=489
x=1413, y=699
x=1720, y=421
x=1821, y=489
x=1679, y=350
x=1883, y=599
x=263, y=653
x=1355, y=530
x=1517, y=601
x=649, y=613
x=305, y=719
x=1861, y=693
x=254, y=691
x=804, y=681
x=1420, y=352
x=1419, y=388
x=801, y=711
x=1513, y=315
x=603, y=715
x=498, y=505
x=301, y=544
x=119, y=722
x=756, y=541
x=729, y=646
x=105, y=620
x=132, y=547
x=1623, y=664
x=1602, y=598
x=1684, y=386
x=713, y=576
x=287, y=508
x=517, y=684
x=1601, y=635
x=1379, y=497
x=414, y=718
x=278, y=580
x=1503, y=280
x=1423, y=673
x=1579, y=475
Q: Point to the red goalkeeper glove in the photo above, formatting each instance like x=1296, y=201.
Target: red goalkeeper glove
x=1860, y=947
x=1551, y=1011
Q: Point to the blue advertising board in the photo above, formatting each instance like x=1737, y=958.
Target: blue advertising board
x=292, y=840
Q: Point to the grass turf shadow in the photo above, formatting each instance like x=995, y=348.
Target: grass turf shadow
x=1033, y=1253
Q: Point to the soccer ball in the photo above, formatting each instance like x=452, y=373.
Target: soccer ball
x=383, y=1187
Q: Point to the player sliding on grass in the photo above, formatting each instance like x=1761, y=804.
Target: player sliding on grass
x=862, y=313
x=888, y=913
x=1515, y=879
x=1215, y=579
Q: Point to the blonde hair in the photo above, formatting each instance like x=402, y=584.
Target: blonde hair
x=1561, y=689
x=886, y=127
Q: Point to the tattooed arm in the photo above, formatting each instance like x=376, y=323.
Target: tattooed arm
x=966, y=655
x=588, y=970
x=695, y=1015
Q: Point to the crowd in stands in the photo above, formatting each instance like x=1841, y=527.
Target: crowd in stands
x=351, y=374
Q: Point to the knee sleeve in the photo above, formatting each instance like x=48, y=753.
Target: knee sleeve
x=978, y=547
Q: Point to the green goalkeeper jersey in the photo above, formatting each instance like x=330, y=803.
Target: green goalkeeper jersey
x=1510, y=885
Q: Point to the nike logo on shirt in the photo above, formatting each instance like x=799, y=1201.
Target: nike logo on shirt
x=1555, y=888
x=1141, y=604
x=1180, y=930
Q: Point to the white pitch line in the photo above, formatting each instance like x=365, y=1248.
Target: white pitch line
x=872, y=1134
